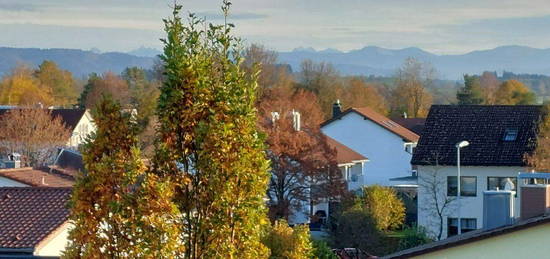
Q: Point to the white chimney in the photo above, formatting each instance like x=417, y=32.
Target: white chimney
x=274, y=117
x=296, y=120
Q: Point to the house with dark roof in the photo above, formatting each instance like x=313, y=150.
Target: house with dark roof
x=34, y=221
x=79, y=122
x=499, y=138
x=387, y=144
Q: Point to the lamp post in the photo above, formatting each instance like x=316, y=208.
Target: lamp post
x=459, y=145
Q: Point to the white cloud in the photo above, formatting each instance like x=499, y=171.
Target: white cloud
x=434, y=25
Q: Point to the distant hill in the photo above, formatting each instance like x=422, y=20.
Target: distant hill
x=79, y=62
x=383, y=62
x=145, y=52
x=366, y=61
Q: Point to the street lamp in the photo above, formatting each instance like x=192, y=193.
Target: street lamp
x=459, y=145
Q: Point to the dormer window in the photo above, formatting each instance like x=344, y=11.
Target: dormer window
x=510, y=135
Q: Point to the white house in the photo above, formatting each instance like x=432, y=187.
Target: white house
x=79, y=122
x=352, y=165
x=499, y=137
x=387, y=144
x=47, y=233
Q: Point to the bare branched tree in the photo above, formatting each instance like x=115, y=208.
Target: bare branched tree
x=437, y=201
x=33, y=133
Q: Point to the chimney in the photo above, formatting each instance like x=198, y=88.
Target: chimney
x=296, y=120
x=498, y=208
x=274, y=117
x=336, y=109
x=535, y=200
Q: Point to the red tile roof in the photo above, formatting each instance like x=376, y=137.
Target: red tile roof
x=344, y=154
x=37, y=178
x=381, y=120
x=29, y=214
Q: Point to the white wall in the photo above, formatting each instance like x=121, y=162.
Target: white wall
x=84, y=127
x=384, y=149
x=527, y=243
x=6, y=182
x=471, y=207
x=354, y=175
x=55, y=244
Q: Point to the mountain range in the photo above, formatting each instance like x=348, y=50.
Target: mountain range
x=369, y=60
x=384, y=62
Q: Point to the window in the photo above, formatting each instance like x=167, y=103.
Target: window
x=468, y=186
x=510, y=135
x=466, y=225
x=494, y=183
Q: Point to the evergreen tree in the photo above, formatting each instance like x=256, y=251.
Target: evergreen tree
x=208, y=144
x=471, y=93
x=92, y=78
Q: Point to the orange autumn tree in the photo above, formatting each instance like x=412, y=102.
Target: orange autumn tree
x=303, y=165
x=118, y=209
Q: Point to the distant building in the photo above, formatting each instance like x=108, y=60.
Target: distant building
x=34, y=221
x=79, y=122
x=499, y=138
x=387, y=144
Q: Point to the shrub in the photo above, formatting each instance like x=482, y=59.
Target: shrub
x=289, y=243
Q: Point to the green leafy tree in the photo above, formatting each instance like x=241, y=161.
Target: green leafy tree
x=20, y=87
x=355, y=228
x=513, y=92
x=321, y=250
x=413, y=237
x=471, y=93
x=107, y=206
x=208, y=144
x=59, y=81
x=288, y=243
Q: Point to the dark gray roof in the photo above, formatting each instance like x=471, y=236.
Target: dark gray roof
x=70, y=117
x=484, y=127
x=469, y=237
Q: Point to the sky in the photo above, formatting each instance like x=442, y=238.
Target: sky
x=438, y=26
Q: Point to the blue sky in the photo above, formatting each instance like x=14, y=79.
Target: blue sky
x=443, y=27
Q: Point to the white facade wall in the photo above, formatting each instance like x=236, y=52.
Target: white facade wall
x=384, y=149
x=56, y=243
x=84, y=127
x=471, y=207
x=6, y=182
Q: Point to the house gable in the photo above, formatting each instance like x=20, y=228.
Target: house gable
x=380, y=120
